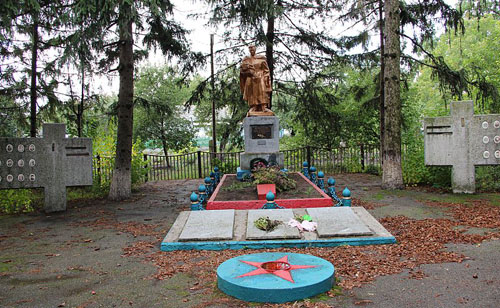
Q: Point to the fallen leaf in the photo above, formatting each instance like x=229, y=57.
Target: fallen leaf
x=462, y=300
x=53, y=255
x=363, y=302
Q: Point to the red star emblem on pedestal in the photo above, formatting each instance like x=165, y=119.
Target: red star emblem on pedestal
x=280, y=268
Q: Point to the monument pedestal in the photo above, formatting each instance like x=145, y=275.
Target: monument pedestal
x=261, y=142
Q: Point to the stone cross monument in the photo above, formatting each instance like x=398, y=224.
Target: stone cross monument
x=52, y=162
x=462, y=140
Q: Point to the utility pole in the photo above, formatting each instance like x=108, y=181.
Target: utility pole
x=80, y=107
x=382, y=68
x=214, y=140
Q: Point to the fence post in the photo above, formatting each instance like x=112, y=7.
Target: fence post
x=308, y=155
x=146, y=167
x=99, y=168
x=362, y=148
x=200, y=175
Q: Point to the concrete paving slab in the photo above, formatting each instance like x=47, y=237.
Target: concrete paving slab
x=338, y=221
x=240, y=225
x=378, y=234
x=176, y=229
x=370, y=221
x=208, y=225
x=283, y=231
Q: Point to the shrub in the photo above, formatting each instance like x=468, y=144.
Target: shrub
x=225, y=167
x=372, y=169
x=104, y=145
x=416, y=172
x=488, y=178
x=16, y=201
x=273, y=175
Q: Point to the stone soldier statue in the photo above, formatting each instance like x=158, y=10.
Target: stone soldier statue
x=255, y=83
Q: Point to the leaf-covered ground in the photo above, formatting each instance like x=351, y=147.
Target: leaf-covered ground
x=107, y=254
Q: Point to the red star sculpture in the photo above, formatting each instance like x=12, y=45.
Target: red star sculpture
x=280, y=268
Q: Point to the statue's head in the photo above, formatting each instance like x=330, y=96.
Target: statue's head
x=252, y=49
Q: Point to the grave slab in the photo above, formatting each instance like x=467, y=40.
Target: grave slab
x=208, y=225
x=239, y=240
x=283, y=231
x=338, y=221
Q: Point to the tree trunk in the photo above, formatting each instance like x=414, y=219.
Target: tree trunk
x=34, y=57
x=121, y=183
x=165, y=150
x=381, y=79
x=269, y=51
x=392, y=174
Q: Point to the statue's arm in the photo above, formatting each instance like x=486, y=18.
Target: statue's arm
x=246, y=68
x=266, y=75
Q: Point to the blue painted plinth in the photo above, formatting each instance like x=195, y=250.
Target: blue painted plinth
x=240, y=173
x=271, y=288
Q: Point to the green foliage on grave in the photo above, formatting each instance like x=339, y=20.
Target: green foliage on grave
x=273, y=175
x=266, y=224
x=237, y=186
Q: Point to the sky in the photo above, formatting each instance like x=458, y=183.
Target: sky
x=199, y=39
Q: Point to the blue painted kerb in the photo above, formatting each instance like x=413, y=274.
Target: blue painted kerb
x=221, y=245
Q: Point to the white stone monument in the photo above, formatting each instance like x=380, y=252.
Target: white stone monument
x=462, y=140
x=53, y=162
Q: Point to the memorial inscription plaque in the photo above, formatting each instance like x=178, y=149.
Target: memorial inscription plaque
x=53, y=162
x=262, y=131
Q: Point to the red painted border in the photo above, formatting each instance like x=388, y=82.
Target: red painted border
x=257, y=204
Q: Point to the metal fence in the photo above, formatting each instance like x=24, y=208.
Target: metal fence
x=199, y=164
x=102, y=168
